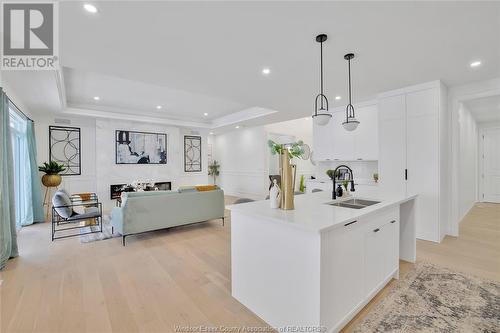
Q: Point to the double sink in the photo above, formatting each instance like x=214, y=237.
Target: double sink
x=354, y=203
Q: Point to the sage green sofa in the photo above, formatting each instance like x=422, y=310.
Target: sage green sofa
x=148, y=211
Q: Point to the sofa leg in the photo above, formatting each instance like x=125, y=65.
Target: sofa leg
x=112, y=230
x=123, y=240
x=223, y=220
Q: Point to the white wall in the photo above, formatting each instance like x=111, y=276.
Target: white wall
x=297, y=129
x=242, y=156
x=99, y=170
x=468, y=160
x=245, y=157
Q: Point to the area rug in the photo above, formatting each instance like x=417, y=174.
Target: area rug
x=434, y=299
x=105, y=234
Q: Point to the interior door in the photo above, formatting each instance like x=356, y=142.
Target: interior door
x=491, y=165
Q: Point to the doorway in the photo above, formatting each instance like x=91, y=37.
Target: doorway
x=490, y=164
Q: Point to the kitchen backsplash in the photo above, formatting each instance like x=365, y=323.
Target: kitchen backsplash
x=362, y=170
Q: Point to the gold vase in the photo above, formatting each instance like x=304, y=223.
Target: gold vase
x=51, y=180
x=287, y=172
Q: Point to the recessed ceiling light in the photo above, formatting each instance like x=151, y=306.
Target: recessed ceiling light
x=266, y=71
x=307, y=118
x=338, y=98
x=237, y=127
x=205, y=114
x=475, y=63
x=90, y=8
x=96, y=98
x=158, y=107
x=211, y=133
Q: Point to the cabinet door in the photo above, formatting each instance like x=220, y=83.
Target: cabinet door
x=391, y=247
x=322, y=141
x=423, y=159
x=343, y=141
x=342, y=268
x=374, y=260
x=366, y=135
x=392, y=145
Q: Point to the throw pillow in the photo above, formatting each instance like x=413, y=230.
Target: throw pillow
x=62, y=199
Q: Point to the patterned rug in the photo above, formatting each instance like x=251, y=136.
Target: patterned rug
x=434, y=299
x=105, y=234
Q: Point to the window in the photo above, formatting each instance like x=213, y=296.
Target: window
x=21, y=163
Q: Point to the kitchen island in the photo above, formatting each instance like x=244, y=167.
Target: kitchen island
x=317, y=265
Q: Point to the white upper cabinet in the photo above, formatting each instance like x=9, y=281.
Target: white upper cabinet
x=392, y=141
x=366, y=135
x=342, y=140
x=333, y=142
x=322, y=141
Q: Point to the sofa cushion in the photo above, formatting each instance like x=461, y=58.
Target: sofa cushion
x=62, y=199
x=187, y=189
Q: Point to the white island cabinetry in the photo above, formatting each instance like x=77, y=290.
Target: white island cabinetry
x=317, y=265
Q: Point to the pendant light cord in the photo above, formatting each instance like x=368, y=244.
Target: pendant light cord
x=350, y=107
x=321, y=72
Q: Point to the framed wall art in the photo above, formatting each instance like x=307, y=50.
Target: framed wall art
x=192, y=153
x=65, y=148
x=140, y=147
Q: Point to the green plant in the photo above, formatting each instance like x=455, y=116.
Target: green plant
x=302, y=186
x=51, y=168
x=213, y=169
x=330, y=173
x=295, y=149
x=345, y=183
x=375, y=177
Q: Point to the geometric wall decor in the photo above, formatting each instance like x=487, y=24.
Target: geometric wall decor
x=65, y=148
x=140, y=148
x=192, y=153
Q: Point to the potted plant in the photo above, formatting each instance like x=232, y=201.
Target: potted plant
x=213, y=170
x=51, y=170
x=288, y=170
x=375, y=177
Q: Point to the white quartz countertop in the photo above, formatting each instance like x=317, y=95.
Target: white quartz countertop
x=312, y=212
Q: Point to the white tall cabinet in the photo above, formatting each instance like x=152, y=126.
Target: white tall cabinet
x=413, y=152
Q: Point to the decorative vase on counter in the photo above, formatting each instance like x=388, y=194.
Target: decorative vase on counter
x=275, y=195
x=287, y=172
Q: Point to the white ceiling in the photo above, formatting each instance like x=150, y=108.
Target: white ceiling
x=196, y=57
x=485, y=109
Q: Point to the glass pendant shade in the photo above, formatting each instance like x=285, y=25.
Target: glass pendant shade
x=321, y=119
x=351, y=124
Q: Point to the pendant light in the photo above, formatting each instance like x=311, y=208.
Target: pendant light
x=321, y=115
x=350, y=123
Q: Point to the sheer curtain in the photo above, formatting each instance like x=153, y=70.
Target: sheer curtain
x=27, y=187
x=8, y=238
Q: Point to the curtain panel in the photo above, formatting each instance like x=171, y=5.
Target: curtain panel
x=8, y=237
x=33, y=187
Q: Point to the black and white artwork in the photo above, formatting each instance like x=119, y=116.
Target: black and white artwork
x=141, y=147
x=192, y=153
x=65, y=148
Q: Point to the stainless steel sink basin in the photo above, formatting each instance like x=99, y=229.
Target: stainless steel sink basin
x=354, y=203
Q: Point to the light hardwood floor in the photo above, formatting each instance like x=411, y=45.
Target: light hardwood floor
x=175, y=277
